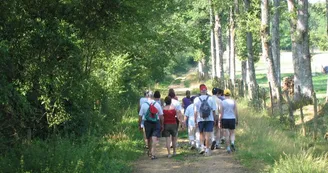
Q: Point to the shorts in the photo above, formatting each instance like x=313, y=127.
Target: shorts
x=205, y=126
x=228, y=124
x=169, y=129
x=152, y=129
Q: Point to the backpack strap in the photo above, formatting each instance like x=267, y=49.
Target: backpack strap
x=207, y=98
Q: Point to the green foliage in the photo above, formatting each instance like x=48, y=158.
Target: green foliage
x=112, y=153
x=317, y=26
x=248, y=22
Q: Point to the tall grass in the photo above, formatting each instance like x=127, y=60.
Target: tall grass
x=110, y=153
x=265, y=145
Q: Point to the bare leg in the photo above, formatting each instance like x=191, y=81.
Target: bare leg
x=144, y=136
x=168, y=142
x=149, y=142
x=153, y=145
x=174, y=142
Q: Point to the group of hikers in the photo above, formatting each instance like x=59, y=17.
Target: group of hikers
x=210, y=120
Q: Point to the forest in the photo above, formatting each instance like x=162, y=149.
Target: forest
x=70, y=69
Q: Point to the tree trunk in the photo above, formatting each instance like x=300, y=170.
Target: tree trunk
x=244, y=71
x=327, y=15
x=212, y=41
x=219, y=47
x=232, y=72
x=276, y=40
x=300, y=48
x=251, y=69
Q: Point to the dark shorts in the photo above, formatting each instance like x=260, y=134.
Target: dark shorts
x=206, y=126
x=170, y=129
x=229, y=124
x=152, y=129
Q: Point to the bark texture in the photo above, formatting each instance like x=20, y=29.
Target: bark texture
x=218, y=46
x=300, y=48
x=252, y=84
x=276, y=40
x=232, y=72
x=212, y=41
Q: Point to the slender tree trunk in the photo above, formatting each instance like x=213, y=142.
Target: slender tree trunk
x=232, y=72
x=213, y=57
x=219, y=47
x=300, y=48
x=327, y=15
x=276, y=40
x=244, y=71
x=251, y=69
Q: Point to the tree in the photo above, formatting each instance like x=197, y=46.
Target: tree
x=276, y=39
x=252, y=85
x=232, y=58
x=300, y=48
x=213, y=41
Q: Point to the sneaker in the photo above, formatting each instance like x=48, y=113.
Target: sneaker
x=222, y=141
x=169, y=156
x=153, y=157
x=192, y=147
x=233, y=147
x=228, y=150
x=207, y=153
x=202, y=151
x=217, y=146
x=213, y=145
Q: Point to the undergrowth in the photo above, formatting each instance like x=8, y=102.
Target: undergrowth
x=110, y=153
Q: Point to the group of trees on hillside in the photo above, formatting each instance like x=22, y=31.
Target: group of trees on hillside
x=257, y=30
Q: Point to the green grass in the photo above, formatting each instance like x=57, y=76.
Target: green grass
x=111, y=153
x=266, y=145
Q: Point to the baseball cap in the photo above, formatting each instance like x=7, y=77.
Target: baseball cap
x=227, y=92
x=203, y=88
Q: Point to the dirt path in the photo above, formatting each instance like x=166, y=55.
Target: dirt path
x=190, y=162
x=187, y=161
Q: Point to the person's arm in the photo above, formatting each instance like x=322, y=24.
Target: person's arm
x=220, y=115
x=161, y=120
x=236, y=113
x=140, y=119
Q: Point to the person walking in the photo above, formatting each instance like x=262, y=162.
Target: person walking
x=152, y=115
x=170, y=126
x=229, y=120
x=216, y=134
x=178, y=108
x=204, y=107
x=142, y=100
x=157, y=98
x=193, y=132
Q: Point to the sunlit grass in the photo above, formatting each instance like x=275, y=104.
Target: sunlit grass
x=263, y=142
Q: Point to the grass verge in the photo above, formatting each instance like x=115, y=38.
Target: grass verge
x=111, y=153
x=266, y=145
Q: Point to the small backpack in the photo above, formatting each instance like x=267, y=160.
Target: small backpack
x=152, y=113
x=205, y=109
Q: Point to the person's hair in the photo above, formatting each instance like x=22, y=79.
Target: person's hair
x=145, y=93
x=215, y=91
x=187, y=92
x=220, y=92
x=168, y=100
x=171, y=93
x=157, y=94
x=150, y=94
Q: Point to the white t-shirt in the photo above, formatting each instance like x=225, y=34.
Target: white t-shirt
x=228, y=109
x=217, y=101
x=190, y=114
x=144, y=108
x=177, y=105
x=197, y=104
x=142, y=100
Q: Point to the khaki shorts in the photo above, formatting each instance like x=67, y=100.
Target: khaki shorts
x=169, y=129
